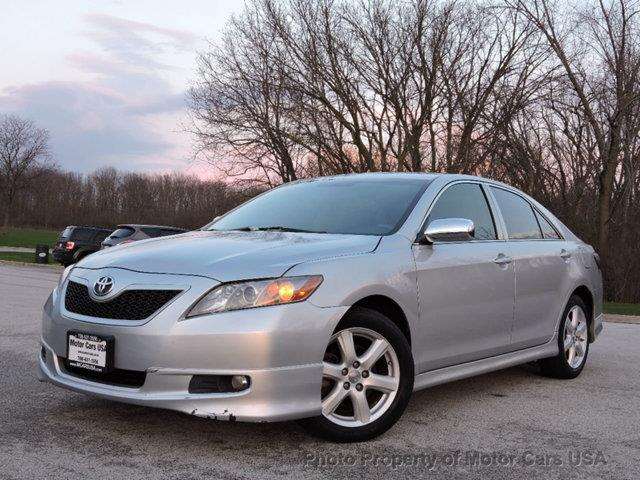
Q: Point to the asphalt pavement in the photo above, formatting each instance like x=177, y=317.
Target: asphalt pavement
x=509, y=424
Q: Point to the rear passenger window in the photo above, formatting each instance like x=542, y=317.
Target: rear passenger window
x=466, y=200
x=547, y=229
x=518, y=215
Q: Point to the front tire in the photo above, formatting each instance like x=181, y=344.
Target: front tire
x=573, y=342
x=367, y=379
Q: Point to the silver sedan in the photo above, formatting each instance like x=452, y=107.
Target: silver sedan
x=329, y=301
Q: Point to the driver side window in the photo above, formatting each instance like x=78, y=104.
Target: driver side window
x=466, y=200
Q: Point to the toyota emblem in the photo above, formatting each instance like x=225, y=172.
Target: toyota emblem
x=103, y=286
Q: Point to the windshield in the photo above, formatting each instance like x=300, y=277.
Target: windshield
x=362, y=207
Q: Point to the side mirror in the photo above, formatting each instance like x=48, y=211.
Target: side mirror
x=448, y=230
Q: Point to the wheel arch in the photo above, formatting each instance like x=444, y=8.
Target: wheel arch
x=586, y=296
x=387, y=307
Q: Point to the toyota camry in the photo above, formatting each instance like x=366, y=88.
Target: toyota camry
x=328, y=301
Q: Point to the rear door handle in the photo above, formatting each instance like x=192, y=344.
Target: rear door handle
x=565, y=254
x=502, y=259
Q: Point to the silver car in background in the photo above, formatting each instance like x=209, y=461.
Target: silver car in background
x=328, y=300
x=131, y=232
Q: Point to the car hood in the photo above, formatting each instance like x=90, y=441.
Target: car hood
x=228, y=256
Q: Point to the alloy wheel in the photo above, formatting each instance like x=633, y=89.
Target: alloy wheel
x=360, y=377
x=575, y=336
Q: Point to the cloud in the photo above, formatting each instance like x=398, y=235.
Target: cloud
x=137, y=43
x=130, y=29
x=123, y=113
x=89, y=127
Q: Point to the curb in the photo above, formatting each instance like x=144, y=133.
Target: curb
x=4, y=249
x=628, y=319
x=29, y=264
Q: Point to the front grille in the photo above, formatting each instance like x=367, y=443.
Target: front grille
x=116, y=377
x=129, y=305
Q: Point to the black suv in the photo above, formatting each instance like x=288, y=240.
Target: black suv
x=76, y=243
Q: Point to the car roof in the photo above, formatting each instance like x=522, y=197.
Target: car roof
x=139, y=225
x=89, y=227
x=402, y=176
x=373, y=176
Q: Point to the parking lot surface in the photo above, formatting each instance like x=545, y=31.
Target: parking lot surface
x=509, y=424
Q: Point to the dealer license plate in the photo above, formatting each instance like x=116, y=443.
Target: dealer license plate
x=90, y=352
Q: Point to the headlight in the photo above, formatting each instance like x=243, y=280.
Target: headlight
x=65, y=274
x=256, y=293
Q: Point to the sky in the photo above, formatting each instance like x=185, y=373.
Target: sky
x=108, y=79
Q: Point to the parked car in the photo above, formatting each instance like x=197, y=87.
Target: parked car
x=131, y=233
x=76, y=242
x=329, y=300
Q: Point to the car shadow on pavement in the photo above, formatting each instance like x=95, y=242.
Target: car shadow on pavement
x=120, y=421
x=498, y=411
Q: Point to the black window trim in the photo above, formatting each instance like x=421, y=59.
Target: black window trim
x=555, y=229
x=498, y=225
x=534, y=209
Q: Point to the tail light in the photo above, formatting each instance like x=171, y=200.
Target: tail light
x=69, y=245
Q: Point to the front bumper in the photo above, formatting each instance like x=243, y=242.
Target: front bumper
x=275, y=394
x=280, y=348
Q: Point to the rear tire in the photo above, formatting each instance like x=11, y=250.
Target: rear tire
x=573, y=343
x=368, y=378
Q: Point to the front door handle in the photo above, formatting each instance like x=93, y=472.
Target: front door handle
x=565, y=254
x=502, y=259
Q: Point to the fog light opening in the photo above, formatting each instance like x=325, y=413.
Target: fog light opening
x=240, y=382
x=219, y=383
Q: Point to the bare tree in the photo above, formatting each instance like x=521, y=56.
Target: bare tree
x=599, y=49
x=24, y=154
x=108, y=197
x=302, y=88
x=543, y=94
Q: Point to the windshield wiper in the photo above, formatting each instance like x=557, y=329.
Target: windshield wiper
x=277, y=228
x=289, y=229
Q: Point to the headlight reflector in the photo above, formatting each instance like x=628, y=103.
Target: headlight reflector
x=256, y=293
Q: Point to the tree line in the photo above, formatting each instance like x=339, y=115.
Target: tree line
x=540, y=94
x=108, y=197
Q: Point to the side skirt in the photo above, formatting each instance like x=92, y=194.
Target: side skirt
x=478, y=367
